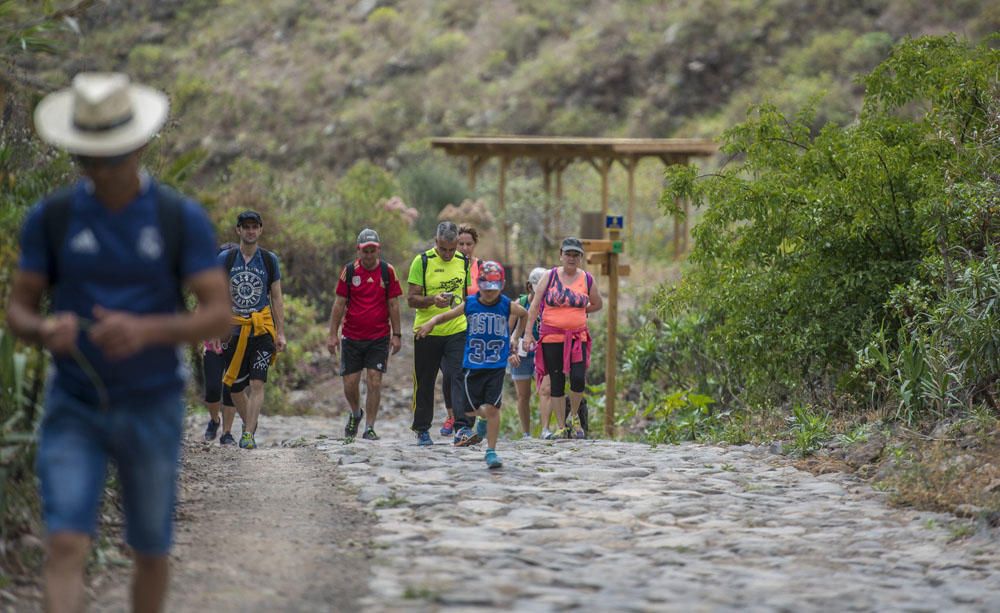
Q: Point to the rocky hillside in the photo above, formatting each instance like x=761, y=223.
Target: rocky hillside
x=314, y=85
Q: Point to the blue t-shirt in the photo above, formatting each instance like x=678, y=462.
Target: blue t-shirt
x=248, y=282
x=116, y=259
x=487, y=337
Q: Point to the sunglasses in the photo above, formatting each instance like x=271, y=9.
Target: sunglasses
x=112, y=161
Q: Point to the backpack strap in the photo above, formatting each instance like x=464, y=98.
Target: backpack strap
x=465, y=286
x=55, y=223
x=170, y=214
x=348, y=276
x=385, y=277
x=270, y=266
x=423, y=263
x=231, y=258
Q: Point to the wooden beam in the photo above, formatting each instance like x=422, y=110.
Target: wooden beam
x=603, y=167
x=630, y=164
x=547, y=168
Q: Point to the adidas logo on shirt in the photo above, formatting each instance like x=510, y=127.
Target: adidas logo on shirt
x=84, y=242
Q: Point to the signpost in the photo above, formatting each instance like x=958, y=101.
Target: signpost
x=605, y=253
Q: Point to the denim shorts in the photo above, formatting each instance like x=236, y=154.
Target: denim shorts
x=143, y=439
x=526, y=370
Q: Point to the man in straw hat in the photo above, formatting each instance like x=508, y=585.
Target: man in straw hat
x=113, y=251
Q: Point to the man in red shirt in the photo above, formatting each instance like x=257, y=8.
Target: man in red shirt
x=368, y=293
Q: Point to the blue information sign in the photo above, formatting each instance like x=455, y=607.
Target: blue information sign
x=614, y=222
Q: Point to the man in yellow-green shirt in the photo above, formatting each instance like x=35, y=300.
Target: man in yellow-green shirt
x=438, y=280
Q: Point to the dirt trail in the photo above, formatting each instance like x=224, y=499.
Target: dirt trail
x=274, y=529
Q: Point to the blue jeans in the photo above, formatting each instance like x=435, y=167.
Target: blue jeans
x=143, y=438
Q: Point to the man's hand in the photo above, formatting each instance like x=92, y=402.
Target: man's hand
x=116, y=333
x=280, y=343
x=396, y=343
x=443, y=300
x=333, y=343
x=58, y=333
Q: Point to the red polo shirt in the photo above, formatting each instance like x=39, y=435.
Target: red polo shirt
x=367, y=315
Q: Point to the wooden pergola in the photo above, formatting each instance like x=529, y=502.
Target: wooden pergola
x=555, y=154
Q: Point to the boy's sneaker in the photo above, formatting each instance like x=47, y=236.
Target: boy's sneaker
x=465, y=437
x=546, y=434
x=212, y=429
x=492, y=459
x=370, y=435
x=351, y=429
x=481, y=429
x=448, y=427
x=247, y=442
x=424, y=439
x=227, y=439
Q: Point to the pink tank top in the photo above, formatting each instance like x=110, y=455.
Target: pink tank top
x=565, y=305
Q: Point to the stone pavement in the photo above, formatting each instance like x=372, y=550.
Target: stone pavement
x=610, y=526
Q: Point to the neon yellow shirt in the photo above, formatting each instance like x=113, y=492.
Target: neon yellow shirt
x=439, y=277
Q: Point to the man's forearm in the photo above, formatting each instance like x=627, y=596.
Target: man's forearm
x=206, y=322
x=394, y=317
x=25, y=323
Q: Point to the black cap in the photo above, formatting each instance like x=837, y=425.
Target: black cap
x=368, y=237
x=249, y=216
x=571, y=243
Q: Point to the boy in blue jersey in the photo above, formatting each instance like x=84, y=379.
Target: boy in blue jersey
x=112, y=252
x=487, y=351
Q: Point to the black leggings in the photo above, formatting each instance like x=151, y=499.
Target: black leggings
x=552, y=353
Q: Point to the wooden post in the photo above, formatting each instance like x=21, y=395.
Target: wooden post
x=603, y=166
x=502, y=189
x=547, y=215
x=630, y=165
x=557, y=216
x=610, y=367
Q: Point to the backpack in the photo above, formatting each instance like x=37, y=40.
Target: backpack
x=349, y=274
x=465, y=286
x=169, y=210
x=269, y=264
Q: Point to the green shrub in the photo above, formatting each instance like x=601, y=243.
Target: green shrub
x=804, y=239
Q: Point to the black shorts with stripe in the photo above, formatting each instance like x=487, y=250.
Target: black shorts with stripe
x=483, y=386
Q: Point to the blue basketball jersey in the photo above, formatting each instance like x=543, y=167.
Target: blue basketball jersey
x=487, y=338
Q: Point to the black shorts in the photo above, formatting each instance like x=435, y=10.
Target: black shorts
x=355, y=355
x=256, y=359
x=213, y=367
x=483, y=386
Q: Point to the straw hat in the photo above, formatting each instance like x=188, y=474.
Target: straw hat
x=101, y=115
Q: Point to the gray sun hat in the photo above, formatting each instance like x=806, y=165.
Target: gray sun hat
x=101, y=114
x=536, y=275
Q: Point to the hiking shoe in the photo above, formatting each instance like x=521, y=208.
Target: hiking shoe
x=481, y=429
x=370, y=435
x=492, y=459
x=247, y=442
x=351, y=429
x=227, y=439
x=546, y=434
x=212, y=430
x=466, y=436
x=448, y=427
x=424, y=439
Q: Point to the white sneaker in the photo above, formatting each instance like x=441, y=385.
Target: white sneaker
x=525, y=435
x=545, y=435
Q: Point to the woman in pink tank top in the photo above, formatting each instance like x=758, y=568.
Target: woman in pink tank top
x=564, y=297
